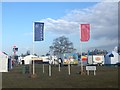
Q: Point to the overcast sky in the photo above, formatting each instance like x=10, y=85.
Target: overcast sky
x=60, y=19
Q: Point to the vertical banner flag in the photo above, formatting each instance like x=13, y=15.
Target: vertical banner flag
x=38, y=31
x=85, y=32
x=84, y=58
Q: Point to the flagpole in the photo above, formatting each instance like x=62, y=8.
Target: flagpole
x=84, y=36
x=37, y=26
x=81, y=63
x=33, y=51
x=33, y=61
x=33, y=75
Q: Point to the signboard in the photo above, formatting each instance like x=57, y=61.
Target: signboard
x=98, y=59
x=71, y=58
x=90, y=67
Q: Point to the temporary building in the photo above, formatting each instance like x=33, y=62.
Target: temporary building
x=3, y=62
x=28, y=59
x=112, y=58
x=45, y=58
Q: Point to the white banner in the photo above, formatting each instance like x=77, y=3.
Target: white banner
x=98, y=58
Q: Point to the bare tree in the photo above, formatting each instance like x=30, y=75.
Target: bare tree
x=61, y=45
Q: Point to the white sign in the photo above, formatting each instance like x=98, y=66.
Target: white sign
x=91, y=68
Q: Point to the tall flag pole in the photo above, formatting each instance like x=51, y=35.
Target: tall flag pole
x=38, y=35
x=33, y=51
x=84, y=37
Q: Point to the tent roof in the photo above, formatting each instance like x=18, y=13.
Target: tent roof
x=3, y=53
x=30, y=56
x=113, y=53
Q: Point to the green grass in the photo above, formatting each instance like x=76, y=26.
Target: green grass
x=106, y=77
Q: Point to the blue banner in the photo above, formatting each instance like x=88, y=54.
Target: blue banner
x=38, y=31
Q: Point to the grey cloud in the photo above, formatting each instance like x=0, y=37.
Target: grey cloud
x=103, y=19
x=60, y=26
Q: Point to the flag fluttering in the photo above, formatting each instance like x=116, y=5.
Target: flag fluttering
x=84, y=58
x=38, y=31
x=85, y=32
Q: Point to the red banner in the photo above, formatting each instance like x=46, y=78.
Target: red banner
x=85, y=32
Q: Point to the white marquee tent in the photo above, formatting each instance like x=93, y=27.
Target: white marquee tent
x=28, y=59
x=3, y=62
x=112, y=58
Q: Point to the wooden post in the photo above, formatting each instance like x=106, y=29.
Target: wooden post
x=87, y=72
x=29, y=68
x=49, y=70
x=59, y=67
x=94, y=72
x=43, y=68
x=69, y=68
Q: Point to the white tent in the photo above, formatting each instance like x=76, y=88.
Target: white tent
x=112, y=58
x=28, y=59
x=3, y=62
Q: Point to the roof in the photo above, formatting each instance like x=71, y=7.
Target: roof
x=30, y=56
x=111, y=54
x=1, y=53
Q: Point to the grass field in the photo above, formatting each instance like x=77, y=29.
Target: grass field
x=106, y=77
